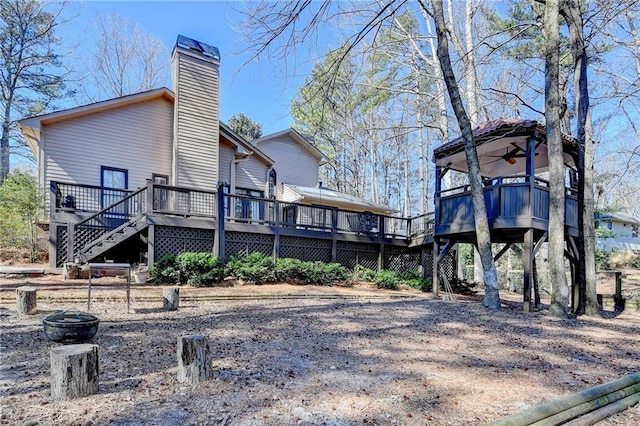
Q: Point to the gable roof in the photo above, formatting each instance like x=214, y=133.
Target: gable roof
x=245, y=147
x=79, y=111
x=499, y=145
x=620, y=217
x=330, y=197
x=296, y=136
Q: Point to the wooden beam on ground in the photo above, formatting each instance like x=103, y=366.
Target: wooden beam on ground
x=617, y=393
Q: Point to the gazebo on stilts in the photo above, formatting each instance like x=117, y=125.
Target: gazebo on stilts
x=513, y=155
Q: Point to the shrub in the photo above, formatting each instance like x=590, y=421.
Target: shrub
x=255, y=268
x=387, y=279
x=197, y=269
x=602, y=260
x=295, y=270
x=361, y=273
x=322, y=273
x=289, y=269
x=165, y=270
x=415, y=280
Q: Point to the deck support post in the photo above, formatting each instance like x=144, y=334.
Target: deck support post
x=527, y=259
x=434, y=275
x=219, y=235
x=151, y=245
x=276, y=230
x=334, y=236
x=70, y=241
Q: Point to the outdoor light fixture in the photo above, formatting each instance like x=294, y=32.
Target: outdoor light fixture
x=511, y=160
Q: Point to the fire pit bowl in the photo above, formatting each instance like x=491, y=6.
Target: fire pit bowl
x=70, y=326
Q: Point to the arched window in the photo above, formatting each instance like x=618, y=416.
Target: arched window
x=272, y=183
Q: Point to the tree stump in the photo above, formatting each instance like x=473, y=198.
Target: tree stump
x=193, y=359
x=170, y=298
x=26, y=300
x=74, y=371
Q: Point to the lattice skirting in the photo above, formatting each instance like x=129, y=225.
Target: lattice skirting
x=174, y=240
x=61, y=245
x=447, y=264
x=244, y=243
x=306, y=249
x=401, y=260
x=351, y=254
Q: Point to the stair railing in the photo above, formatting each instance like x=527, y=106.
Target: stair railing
x=106, y=220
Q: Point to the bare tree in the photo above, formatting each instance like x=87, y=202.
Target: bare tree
x=126, y=60
x=587, y=301
x=483, y=235
x=31, y=72
x=559, y=288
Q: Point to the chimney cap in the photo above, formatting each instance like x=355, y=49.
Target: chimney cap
x=202, y=48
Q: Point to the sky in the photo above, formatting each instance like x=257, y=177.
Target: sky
x=259, y=90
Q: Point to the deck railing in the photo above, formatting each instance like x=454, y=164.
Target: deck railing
x=66, y=197
x=506, y=198
x=183, y=201
x=89, y=230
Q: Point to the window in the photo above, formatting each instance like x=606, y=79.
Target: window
x=114, y=183
x=272, y=184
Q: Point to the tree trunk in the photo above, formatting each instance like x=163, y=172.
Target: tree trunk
x=170, y=298
x=587, y=300
x=194, y=365
x=559, y=288
x=74, y=371
x=26, y=303
x=483, y=235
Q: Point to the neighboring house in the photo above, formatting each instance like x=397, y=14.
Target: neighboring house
x=158, y=162
x=620, y=224
x=625, y=231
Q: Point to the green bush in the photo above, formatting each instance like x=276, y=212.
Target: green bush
x=603, y=263
x=387, y=279
x=294, y=270
x=255, y=268
x=361, y=273
x=165, y=271
x=415, y=280
x=289, y=269
x=197, y=269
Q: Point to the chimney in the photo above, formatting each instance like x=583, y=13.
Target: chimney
x=196, y=71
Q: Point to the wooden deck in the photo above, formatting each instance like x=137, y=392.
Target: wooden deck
x=513, y=205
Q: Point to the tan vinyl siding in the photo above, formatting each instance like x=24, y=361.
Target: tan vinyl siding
x=196, y=122
x=294, y=164
x=135, y=137
x=251, y=174
x=224, y=165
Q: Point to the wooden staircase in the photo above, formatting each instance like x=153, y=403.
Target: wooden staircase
x=111, y=239
x=110, y=227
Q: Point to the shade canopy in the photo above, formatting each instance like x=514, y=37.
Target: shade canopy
x=501, y=147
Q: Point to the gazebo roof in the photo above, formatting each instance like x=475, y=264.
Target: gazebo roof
x=501, y=146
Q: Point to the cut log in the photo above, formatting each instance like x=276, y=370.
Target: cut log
x=170, y=298
x=26, y=300
x=194, y=365
x=74, y=371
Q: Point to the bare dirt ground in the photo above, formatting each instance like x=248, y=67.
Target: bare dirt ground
x=309, y=355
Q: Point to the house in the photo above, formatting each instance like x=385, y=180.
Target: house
x=620, y=224
x=152, y=173
x=624, y=231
